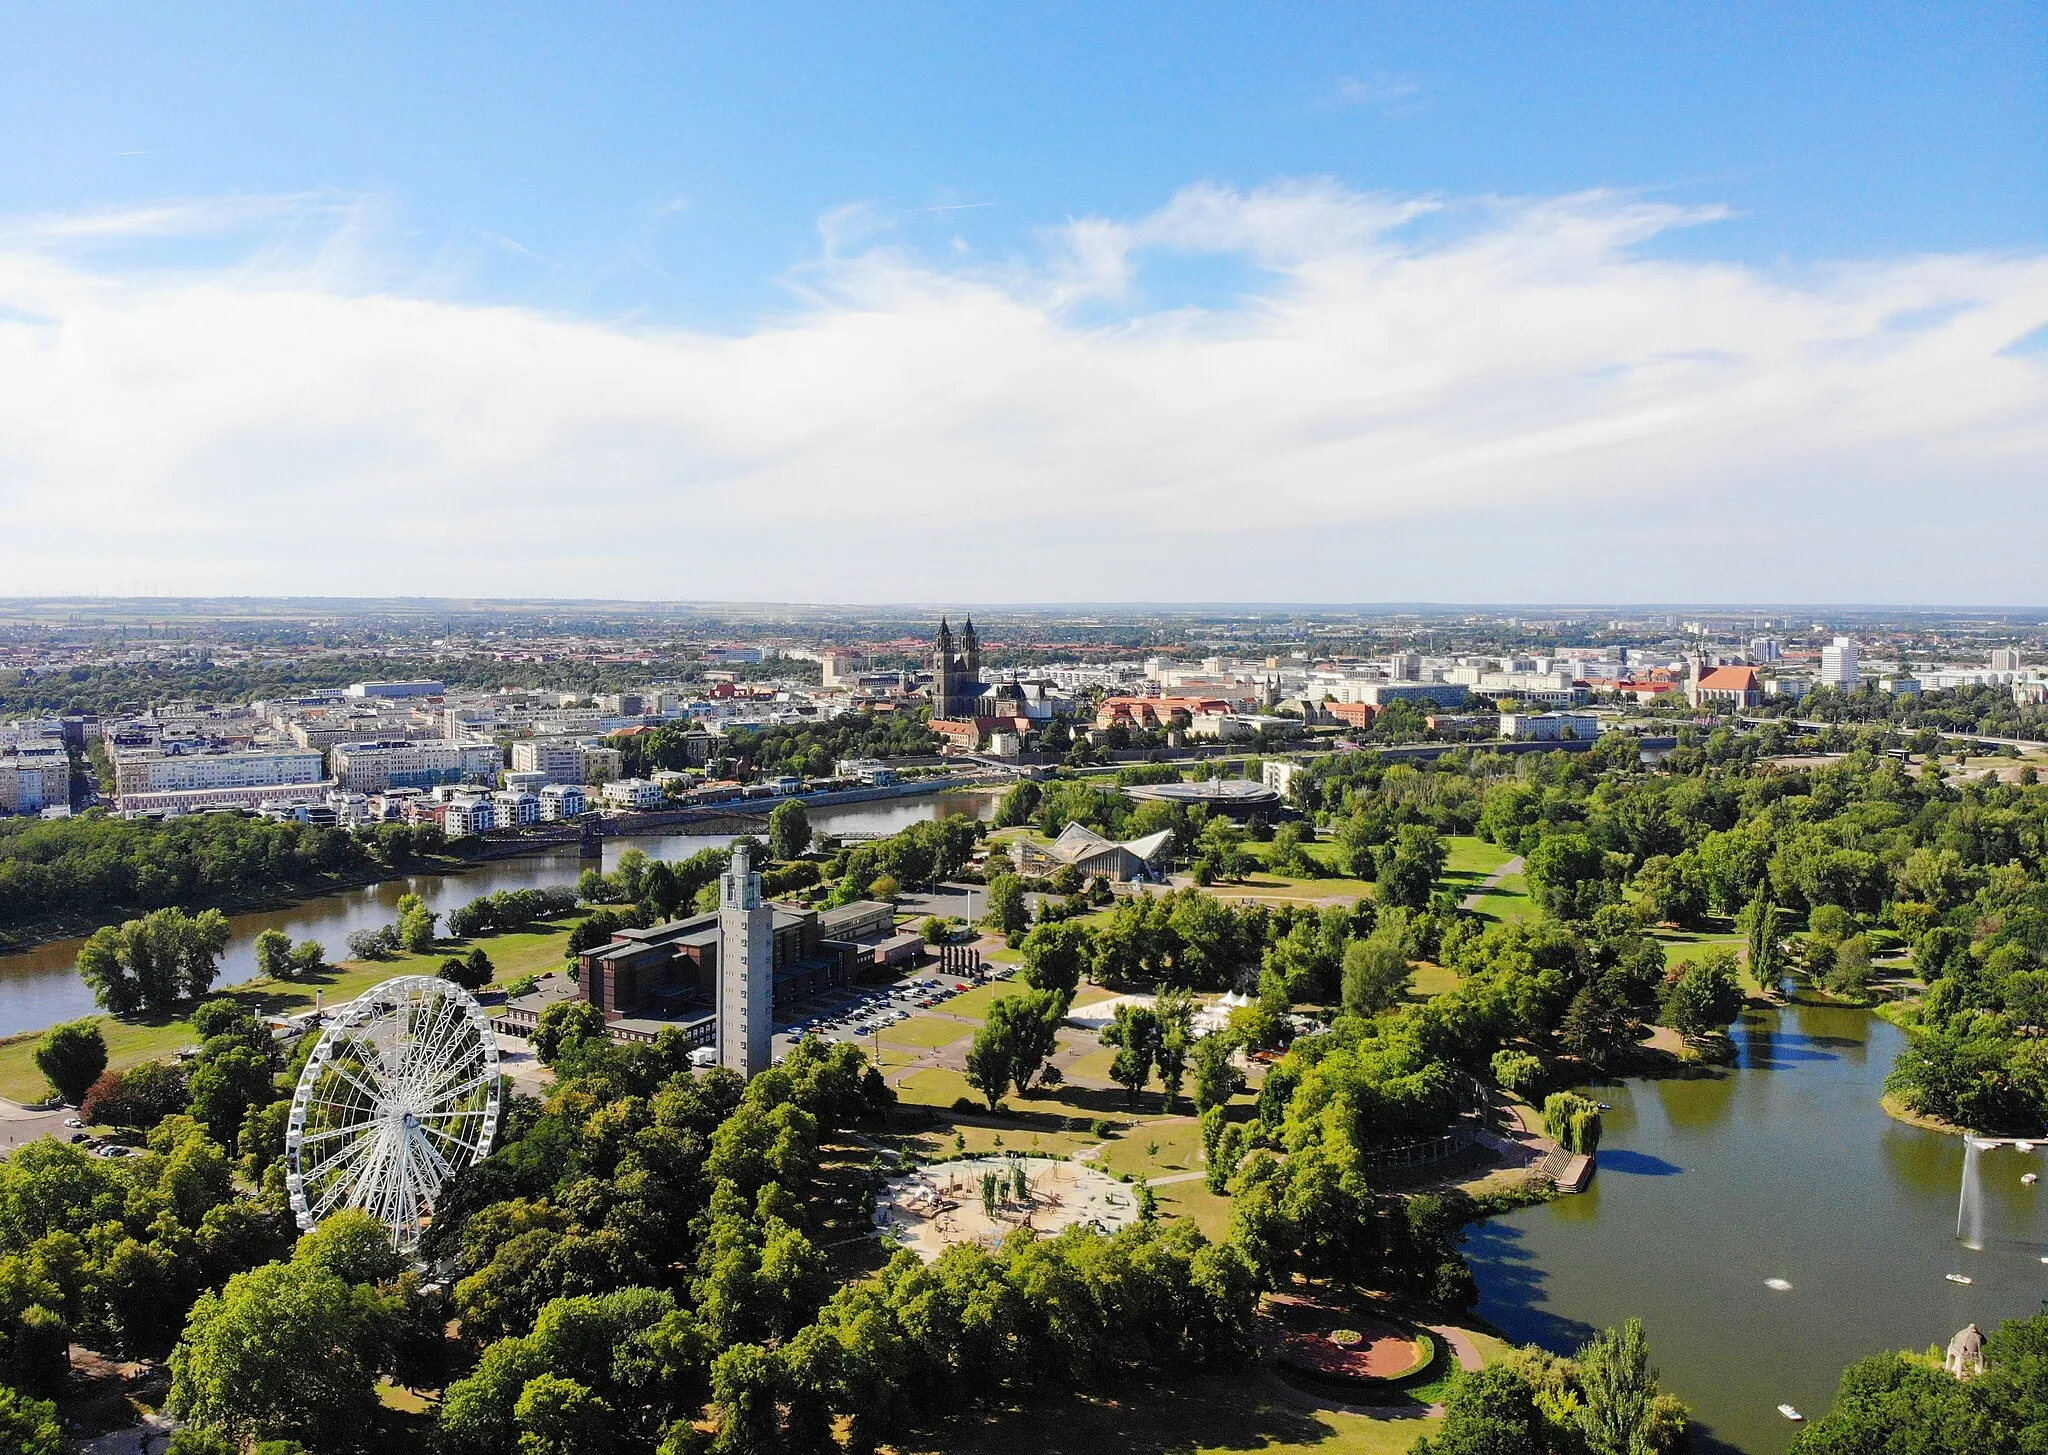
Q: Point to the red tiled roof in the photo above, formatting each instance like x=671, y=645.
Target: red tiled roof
x=1729, y=679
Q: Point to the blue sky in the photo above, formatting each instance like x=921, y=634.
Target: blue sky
x=785, y=179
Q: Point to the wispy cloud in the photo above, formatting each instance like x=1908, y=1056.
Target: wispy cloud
x=1392, y=95
x=1521, y=406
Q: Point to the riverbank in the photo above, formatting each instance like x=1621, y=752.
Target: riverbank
x=132, y=1040
x=35, y=933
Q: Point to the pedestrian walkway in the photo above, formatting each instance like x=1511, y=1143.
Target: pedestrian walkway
x=1477, y=897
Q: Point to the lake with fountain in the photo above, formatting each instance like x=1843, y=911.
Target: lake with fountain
x=1781, y=1168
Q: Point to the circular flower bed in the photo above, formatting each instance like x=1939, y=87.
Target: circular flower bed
x=1327, y=1343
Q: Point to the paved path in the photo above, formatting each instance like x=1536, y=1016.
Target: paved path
x=20, y=1125
x=1492, y=881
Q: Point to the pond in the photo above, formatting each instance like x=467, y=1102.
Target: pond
x=40, y=987
x=1783, y=1167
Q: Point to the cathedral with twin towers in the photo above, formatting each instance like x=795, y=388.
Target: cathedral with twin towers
x=957, y=688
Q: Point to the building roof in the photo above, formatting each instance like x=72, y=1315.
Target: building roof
x=1729, y=679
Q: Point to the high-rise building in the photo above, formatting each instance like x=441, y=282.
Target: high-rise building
x=1763, y=650
x=1839, y=667
x=746, y=970
x=2007, y=659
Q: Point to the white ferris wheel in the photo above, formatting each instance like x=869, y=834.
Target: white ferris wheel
x=400, y=1094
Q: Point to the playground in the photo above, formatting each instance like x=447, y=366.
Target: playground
x=985, y=1199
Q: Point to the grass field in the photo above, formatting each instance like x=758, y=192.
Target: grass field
x=1179, y=1146
x=1472, y=858
x=925, y=1032
x=152, y=1037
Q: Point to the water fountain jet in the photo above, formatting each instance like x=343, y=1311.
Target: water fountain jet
x=1970, y=1206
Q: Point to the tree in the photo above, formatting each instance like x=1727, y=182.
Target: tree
x=352, y=1245
x=1703, y=995
x=564, y=1026
x=1217, y=1078
x=1055, y=954
x=72, y=1056
x=225, y=1085
x=991, y=1060
x=558, y=1416
x=1591, y=1030
x=308, y=957
x=138, y=1098
x=1006, y=910
x=472, y=971
x=1376, y=972
x=1135, y=1034
x=1030, y=1024
x=1850, y=973
x=29, y=1426
x=1490, y=1411
x=1411, y=866
x=1567, y=876
x=1573, y=1121
x=1175, y=1010
x=282, y=1351
x=1763, y=923
x=416, y=923
x=273, y=955
x=1620, y=1415
x=153, y=962
x=789, y=830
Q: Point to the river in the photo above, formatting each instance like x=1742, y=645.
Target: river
x=1783, y=1167
x=40, y=986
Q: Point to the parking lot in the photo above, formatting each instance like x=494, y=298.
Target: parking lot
x=855, y=1011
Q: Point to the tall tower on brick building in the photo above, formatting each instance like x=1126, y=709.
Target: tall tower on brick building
x=746, y=970
x=956, y=676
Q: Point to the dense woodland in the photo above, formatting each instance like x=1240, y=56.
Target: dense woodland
x=97, y=866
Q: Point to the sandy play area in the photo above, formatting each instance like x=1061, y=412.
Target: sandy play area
x=934, y=1207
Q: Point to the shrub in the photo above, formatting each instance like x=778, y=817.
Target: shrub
x=72, y=1056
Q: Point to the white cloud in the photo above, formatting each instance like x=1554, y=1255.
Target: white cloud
x=1517, y=406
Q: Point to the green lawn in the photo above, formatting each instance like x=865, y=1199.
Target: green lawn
x=1179, y=1147
x=1431, y=980
x=1508, y=900
x=152, y=1037
x=925, y=1032
x=1472, y=858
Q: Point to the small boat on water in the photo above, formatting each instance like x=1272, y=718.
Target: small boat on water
x=1778, y=1285
x=2028, y=1179
x=2023, y=1146
x=1791, y=1414
x=1959, y=1278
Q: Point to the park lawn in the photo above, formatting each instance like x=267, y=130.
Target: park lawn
x=1208, y=1211
x=925, y=1032
x=973, y=1004
x=1431, y=980
x=1094, y=1067
x=155, y=1036
x=1201, y=1415
x=1179, y=1144
x=1472, y=858
x=936, y=1086
x=1508, y=900
x=978, y=1138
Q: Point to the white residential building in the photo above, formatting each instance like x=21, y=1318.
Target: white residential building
x=515, y=806
x=560, y=801
x=465, y=816
x=160, y=770
x=372, y=767
x=396, y=689
x=565, y=761
x=1549, y=727
x=634, y=793
x=1839, y=666
x=35, y=777
x=2007, y=659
